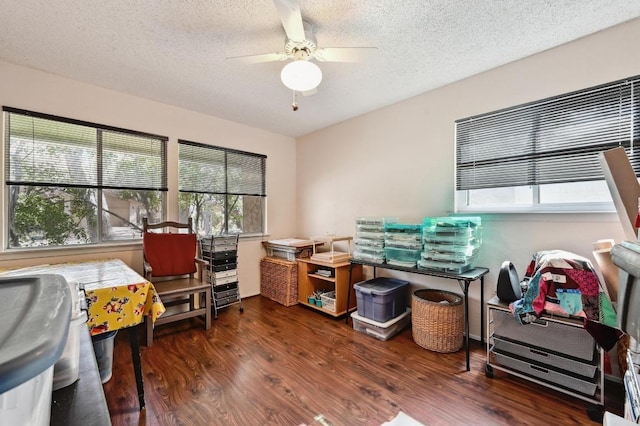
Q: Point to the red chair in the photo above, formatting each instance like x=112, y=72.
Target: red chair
x=170, y=263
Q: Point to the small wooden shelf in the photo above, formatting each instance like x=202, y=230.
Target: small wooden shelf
x=309, y=281
x=322, y=277
x=317, y=308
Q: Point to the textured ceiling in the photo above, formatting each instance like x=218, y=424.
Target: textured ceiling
x=174, y=51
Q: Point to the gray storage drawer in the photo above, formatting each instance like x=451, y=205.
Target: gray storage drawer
x=550, y=335
x=583, y=386
x=227, y=301
x=225, y=294
x=538, y=355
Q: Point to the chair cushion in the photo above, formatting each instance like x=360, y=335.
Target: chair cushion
x=170, y=254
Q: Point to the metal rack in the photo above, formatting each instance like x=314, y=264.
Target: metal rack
x=221, y=255
x=553, y=351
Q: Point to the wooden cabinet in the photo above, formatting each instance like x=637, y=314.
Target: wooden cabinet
x=336, y=279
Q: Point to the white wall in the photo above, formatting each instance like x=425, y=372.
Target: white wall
x=26, y=88
x=399, y=160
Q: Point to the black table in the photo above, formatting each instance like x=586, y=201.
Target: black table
x=464, y=279
x=83, y=402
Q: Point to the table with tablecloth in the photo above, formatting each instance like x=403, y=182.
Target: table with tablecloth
x=117, y=297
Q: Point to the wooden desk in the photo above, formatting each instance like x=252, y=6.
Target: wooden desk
x=117, y=298
x=464, y=280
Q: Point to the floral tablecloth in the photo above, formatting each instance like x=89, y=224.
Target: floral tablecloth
x=117, y=296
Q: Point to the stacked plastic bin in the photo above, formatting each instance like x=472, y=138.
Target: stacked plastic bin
x=402, y=244
x=451, y=244
x=382, y=307
x=369, y=240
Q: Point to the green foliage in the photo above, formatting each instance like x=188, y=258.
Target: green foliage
x=207, y=210
x=235, y=213
x=41, y=214
x=150, y=200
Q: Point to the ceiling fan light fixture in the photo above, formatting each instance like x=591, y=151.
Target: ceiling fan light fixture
x=301, y=75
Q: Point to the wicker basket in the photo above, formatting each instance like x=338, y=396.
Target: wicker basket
x=279, y=280
x=437, y=320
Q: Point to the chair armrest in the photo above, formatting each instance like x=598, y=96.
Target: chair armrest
x=202, y=265
x=148, y=270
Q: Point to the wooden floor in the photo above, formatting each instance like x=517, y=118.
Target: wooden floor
x=272, y=365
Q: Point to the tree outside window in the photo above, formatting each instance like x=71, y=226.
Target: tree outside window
x=75, y=183
x=222, y=190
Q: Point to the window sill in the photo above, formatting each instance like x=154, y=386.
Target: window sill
x=547, y=216
x=43, y=252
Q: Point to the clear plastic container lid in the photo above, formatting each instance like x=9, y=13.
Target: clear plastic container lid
x=35, y=311
x=375, y=220
x=380, y=286
x=443, y=223
x=403, y=227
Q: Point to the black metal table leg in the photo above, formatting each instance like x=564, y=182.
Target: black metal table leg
x=137, y=365
x=346, y=320
x=482, y=330
x=465, y=290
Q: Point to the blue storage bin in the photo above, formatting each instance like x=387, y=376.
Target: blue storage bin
x=381, y=299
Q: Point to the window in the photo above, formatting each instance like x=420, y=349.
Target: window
x=71, y=182
x=222, y=189
x=544, y=155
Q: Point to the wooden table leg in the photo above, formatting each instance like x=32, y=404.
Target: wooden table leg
x=137, y=365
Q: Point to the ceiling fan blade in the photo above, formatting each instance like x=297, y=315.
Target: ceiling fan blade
x=256, y=59
x=344, y=54
x=289, y=12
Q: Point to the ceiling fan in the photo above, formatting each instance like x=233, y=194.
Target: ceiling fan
x=301, y=74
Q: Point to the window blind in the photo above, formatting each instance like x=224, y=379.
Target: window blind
x=46, y=150
x=554, y=140
x=214, y=170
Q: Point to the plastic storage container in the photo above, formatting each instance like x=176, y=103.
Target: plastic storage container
x=368, y=256
x=403, y=227
x=369, y=227
x=446, y=224
x=451, y=244
x=375, y=221
x=381, y=299
x=103, y=348
x=370, y=235
x=35, y=312
x=366, y=242
x=65, y=371
x=381, y=330
x=447, y=266
x=444, y=256
x=402, y=257
x=405, y=243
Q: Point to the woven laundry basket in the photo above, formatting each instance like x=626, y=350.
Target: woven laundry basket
x=279, y=280
x=437, y=320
